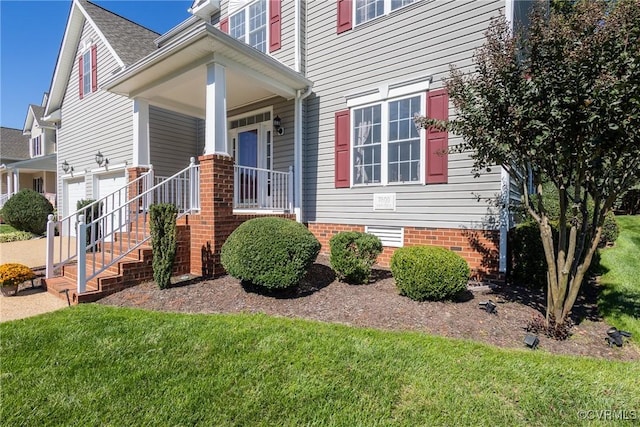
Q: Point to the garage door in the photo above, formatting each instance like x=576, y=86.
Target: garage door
x=75, y=190
x=105, y=185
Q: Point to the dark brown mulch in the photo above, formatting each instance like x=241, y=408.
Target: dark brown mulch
x=378, y=305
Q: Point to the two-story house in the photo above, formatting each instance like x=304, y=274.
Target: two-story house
x=35, y=168
x=296, y=108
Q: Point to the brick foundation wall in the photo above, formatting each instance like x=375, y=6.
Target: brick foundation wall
x=480, y=248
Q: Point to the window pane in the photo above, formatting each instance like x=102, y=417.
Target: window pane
x=395, y=4
x=367, y=146
x=404, y=141
x=368, y=9
x=236, y=25
x=258, y=25
x=86, y=72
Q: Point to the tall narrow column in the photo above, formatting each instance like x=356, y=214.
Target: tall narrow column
x=216, y=111
x=141, y=148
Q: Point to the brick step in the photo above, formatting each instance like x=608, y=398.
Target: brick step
x=141, y=253
x=60, y=286
x=109, y=276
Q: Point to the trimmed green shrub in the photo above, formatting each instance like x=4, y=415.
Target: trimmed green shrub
x=352, y=255
x=94, y=213
x=610, y=230
x=429, y=272
x=15, y=236
x=27, y=210
x=271, y=252
x=163, y=241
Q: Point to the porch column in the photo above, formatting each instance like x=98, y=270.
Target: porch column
x=16, y=181
x=141, y=150
x=215, y=135
x=9, y=184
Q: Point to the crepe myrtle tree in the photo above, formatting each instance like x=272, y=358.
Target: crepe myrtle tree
x=560, y=103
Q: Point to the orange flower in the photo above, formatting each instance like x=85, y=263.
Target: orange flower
x=13, y=274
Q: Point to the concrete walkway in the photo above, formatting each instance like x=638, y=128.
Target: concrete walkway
x=29, y=301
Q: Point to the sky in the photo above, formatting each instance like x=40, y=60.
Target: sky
x=31, y=35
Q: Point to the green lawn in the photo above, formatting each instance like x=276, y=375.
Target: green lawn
x=98, y=365
x=620, y=298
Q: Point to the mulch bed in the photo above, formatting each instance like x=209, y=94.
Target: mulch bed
x=378, y=305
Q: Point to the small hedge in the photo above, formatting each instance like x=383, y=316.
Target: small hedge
x=271, y=252
x=528, y=264
x=352, y=255
x=163, y=241
x=429, y=272
x=610, y=230
x=27, y=210
x=15, y=236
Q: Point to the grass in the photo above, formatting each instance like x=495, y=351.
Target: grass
x=5, y=228
x=98, y=365
x=619, y=300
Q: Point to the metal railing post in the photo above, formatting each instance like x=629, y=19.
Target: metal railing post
x=81, y=237
x=51, y=234
x=192, y=184
x=290, y=189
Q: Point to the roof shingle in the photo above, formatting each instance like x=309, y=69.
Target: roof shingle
x=13, y=145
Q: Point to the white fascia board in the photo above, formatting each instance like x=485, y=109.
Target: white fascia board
x=54, y=92
x=176, y=30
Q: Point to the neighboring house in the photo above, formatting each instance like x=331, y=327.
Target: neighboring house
x=36, y=169
x=295, y=108
x=14, y=147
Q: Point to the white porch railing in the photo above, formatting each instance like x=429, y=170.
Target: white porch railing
x=262, y=189
x=3, y=199
x=95, y=239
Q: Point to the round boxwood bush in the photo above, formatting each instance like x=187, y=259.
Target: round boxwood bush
x=271, y=252
x=429, y=272
x=27, y=210
x=352, y=255
x=610, y=230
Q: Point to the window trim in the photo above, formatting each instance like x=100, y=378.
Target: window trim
x=384, y=142
x=386, y=12
x=245, y=10
x=40, y=145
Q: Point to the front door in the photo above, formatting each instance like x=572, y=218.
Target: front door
x=252, y=153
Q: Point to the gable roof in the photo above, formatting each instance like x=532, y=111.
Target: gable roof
x=13, y=145
x=130, y=41
x=126, y=41
x=34, y=115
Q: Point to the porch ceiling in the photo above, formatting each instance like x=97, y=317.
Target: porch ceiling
x=174, y=77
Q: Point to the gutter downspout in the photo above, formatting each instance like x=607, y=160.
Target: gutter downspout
x=297, y=151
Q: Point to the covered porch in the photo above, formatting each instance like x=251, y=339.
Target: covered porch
x=38, y=174
x=204, y=93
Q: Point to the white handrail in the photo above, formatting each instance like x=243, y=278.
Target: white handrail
x=122, y=228
x=262, y=189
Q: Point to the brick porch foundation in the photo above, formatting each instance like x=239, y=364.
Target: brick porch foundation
x=216, y=220
x=480, y=248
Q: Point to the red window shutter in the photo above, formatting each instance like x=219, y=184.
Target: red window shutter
x=80, y=77
x=224, y=25
x=274, y=26
x=94, y=68
x=437, y=140
x=345, y=14
x=342, y=129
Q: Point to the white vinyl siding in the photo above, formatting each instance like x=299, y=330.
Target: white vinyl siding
x=424, y=38
x=102, y=121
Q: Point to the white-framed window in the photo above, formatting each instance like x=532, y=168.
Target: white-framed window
x=387, y=148
x=366, y=10
x=249, y=24
x=86, y=72
x=36, y=146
